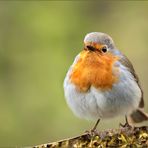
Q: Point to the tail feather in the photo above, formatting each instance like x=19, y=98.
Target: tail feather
x=138, y=116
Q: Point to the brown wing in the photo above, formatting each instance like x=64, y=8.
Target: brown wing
x=126, y=62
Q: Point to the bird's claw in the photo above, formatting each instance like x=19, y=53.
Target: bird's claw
x=92, y=132
x=126, y=125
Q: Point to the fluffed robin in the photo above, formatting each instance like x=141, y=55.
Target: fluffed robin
x=102, y=83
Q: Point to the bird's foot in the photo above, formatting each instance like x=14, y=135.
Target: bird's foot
x=93, y=131
x=126, y=125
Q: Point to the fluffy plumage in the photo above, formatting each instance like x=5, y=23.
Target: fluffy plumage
x=103, y=85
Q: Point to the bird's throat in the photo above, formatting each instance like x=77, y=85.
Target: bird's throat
x=94, y=69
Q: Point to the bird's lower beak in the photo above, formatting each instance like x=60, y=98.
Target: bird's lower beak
x=91, y=48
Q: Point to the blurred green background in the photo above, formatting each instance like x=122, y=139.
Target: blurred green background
x=38, y=42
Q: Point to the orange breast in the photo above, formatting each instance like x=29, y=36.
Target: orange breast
x=94, y=69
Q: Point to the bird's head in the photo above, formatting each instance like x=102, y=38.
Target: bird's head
x=98, y=42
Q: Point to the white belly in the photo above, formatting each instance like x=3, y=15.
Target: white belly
x=123, y=98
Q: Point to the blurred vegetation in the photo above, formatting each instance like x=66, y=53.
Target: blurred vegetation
x=38, y=42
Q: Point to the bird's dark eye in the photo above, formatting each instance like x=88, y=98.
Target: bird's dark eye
x=104, y=49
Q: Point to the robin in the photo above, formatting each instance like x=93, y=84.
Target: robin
x=102, y=83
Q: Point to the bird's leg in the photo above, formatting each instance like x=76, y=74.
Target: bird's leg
x=94, y=128
x=126, y=120
x=126, y=123
x=93, y=131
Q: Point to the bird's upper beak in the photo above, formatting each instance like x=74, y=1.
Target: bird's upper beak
x=91, y=46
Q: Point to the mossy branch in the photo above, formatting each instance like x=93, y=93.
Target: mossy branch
x=122, y=137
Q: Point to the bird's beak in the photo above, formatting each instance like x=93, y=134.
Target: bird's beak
x=90, y=48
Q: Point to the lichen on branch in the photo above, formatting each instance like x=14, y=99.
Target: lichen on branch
x=122, y=138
